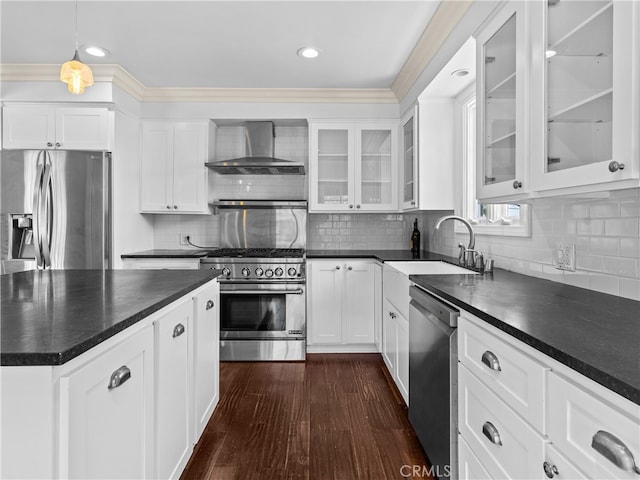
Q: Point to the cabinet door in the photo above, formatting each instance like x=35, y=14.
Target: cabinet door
x=28, y=127
x=389, y=337
x=173, y=387
x=376, y=167
x=206, y=356
x=402, y=372
x=189, y=173
x=106, y=424
x=591, y=94
x=377, y=315
x=331, y=167
x=502, y=62
x=324, y=302
x=156, y=170
x=409, y=161
x=82, y=129
x=358, y=302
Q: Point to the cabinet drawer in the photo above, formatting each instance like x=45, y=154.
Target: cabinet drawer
x=469, y=467
x=560, y=467
x=514, y=449
x=510, y=373
x=575, y=416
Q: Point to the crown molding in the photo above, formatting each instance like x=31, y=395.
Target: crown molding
x=269, y=95
x=118, y=76
x=444, y=20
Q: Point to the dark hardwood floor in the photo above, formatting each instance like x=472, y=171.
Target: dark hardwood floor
x=337, y=416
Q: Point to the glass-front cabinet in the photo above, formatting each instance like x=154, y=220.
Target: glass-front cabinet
x=353, y=167
x=409, y=165
x=502, y=66
x=590, y=51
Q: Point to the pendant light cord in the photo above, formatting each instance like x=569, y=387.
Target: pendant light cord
x=76, y=25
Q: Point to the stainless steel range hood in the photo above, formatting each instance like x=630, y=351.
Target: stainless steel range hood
x=260, y=145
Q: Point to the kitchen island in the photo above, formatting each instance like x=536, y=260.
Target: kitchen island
x=99, y=365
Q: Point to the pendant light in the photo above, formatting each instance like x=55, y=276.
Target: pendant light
x=74, y=73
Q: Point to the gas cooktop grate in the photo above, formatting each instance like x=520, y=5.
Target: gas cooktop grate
x=257, y=252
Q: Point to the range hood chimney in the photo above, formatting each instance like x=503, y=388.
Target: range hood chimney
x=259, y=138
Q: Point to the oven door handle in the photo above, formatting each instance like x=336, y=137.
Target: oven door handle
x=297, y=291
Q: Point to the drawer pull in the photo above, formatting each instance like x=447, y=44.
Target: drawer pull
x=178, y=330
x=550, y=470
x=491, y=432
x=118, y=377
x=614, y=450
x=209, y=305
x=491, y=361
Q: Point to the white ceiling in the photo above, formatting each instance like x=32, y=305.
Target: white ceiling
x=224, y=44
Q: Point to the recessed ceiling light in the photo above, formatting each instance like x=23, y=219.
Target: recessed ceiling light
x=308, y=52
x=461, y=72
x=96, y=51
x=550, y=53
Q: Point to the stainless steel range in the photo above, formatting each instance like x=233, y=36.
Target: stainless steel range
x=263, y=281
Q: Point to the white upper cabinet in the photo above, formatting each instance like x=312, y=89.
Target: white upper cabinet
x=353, y=166
x=590, y=129
x=173, y=176
x=64, y=128
x=502, y=67
x=409, y=160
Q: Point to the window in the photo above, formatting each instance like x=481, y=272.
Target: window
x=487, y=218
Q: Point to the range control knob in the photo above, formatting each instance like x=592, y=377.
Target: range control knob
x=279, y=272
x=226, y=272
x=246, y=272
x=268, y=273
x=292, y=272
x=259, y=271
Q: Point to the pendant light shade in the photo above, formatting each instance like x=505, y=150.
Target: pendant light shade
x=76, y=75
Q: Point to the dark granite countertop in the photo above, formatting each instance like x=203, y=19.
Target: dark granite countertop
x=595, y=334
x=52, y=316
x=183, y=253
x=382, y=255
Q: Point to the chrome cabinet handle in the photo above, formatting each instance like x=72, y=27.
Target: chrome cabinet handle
x=491, y=432
x=615, y=166
x=357, y=206
x=58, y=144
x=549, y=469
x=349, y=268
x=392, y=315
x=175, y=207
x=118, y=377
x=614, y=450
x=491, y=360
x=517, y=184
x=209, y=305
x=350, y=206
x=337, y=267
x=168, y=207
x=49, y=144
x=178, y=330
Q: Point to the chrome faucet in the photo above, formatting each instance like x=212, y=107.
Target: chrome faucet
x=467, y=256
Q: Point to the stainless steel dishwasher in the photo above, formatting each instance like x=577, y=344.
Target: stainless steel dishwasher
x=433, y=379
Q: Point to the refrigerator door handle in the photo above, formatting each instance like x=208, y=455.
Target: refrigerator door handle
x=47, y=210
x=37, y=199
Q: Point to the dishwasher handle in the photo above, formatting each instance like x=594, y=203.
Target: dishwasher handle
x=444, y=312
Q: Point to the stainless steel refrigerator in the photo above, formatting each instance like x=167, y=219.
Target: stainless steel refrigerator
x=55, y=209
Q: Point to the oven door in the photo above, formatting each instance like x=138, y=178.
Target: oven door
x=262, y=311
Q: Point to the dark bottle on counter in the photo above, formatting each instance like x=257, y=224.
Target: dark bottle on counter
x=415, y=240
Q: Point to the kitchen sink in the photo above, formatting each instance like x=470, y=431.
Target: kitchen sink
x=429, y=268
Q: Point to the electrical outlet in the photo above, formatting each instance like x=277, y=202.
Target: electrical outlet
x=565, y=257
x=184, y=238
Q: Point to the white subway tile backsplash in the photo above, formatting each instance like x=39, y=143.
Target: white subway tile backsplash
x=630, y=247
x=630, y=208
x=630, y=288
x=604, y=246
x=622, y=227
x=604, y=283
x=622, y=267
